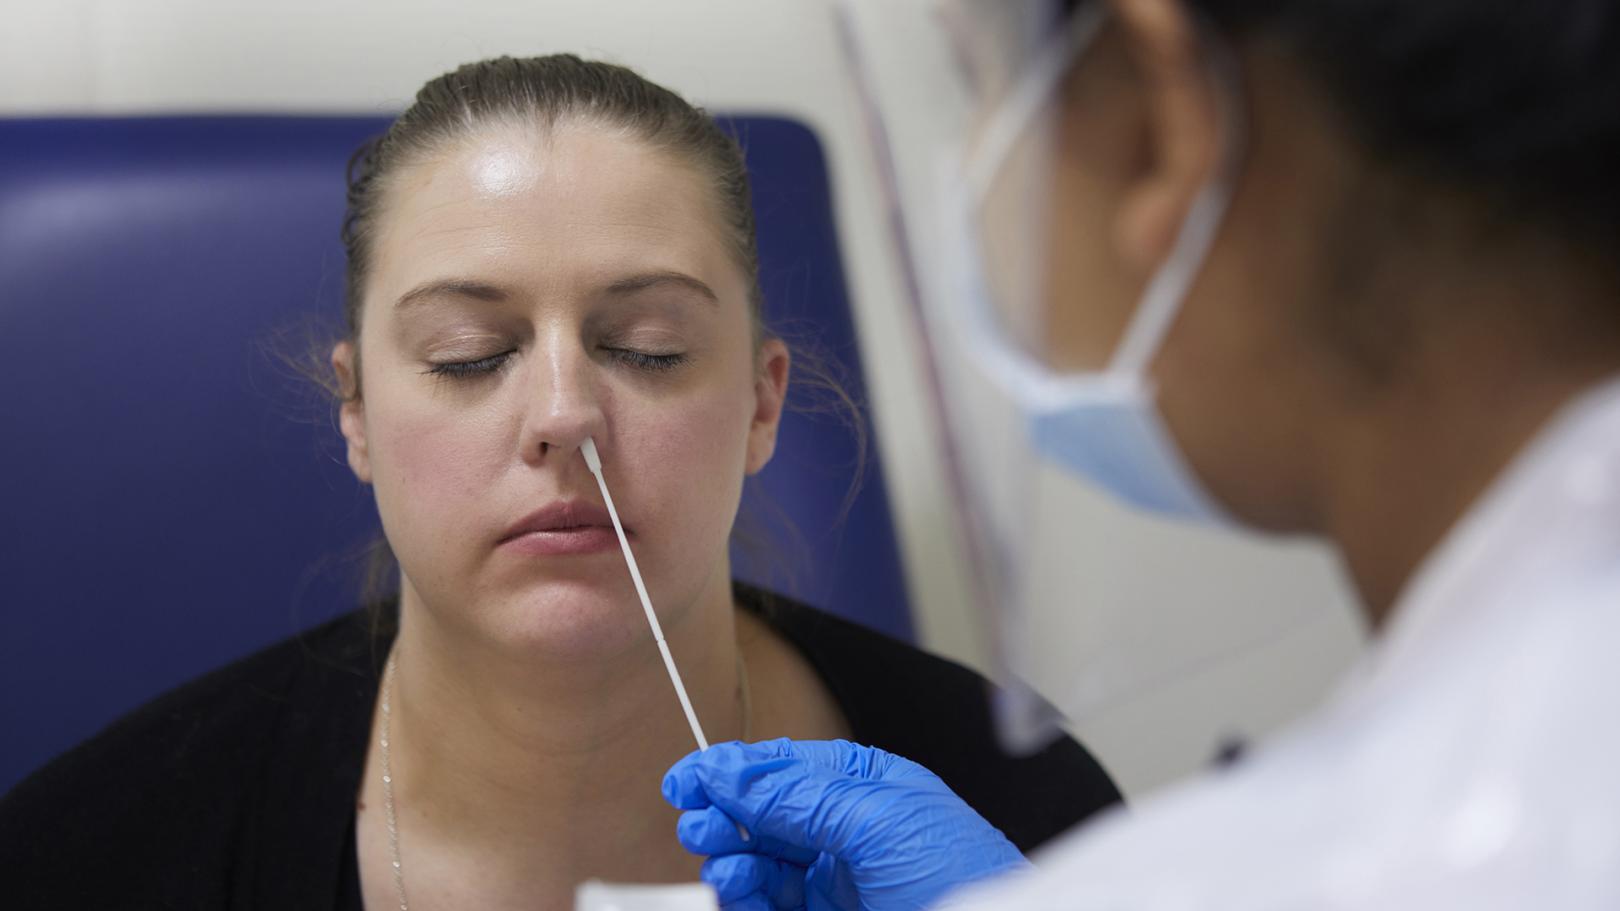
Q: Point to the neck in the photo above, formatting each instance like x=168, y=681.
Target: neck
x=1411, y=460
x=548, y=773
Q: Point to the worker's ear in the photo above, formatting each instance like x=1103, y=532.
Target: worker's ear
x=351, y=414
x=1182, y=123
x=770, y=394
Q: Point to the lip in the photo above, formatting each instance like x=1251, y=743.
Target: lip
x=563, y=527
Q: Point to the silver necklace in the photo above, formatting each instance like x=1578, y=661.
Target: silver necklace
x=388, y=785
x=745, y=696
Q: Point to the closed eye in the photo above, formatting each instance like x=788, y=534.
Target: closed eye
x=641, y=360
x=466, y=369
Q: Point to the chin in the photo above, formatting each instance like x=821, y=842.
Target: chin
x=574, y=620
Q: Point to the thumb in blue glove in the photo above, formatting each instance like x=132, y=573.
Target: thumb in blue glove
x=832, y=825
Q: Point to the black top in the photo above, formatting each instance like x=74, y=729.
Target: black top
x=238, y=790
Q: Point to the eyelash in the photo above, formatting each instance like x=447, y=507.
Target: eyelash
x=652, y=363
x=470, y=369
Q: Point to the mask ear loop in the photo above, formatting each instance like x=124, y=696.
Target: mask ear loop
x=1162, y=299
x=1030, y=93
x=1167, y=290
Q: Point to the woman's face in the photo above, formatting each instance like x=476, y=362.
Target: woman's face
x=528, y=291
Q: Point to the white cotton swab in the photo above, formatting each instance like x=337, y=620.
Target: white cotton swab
x=593, y=461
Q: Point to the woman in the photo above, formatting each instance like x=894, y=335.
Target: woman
x=1348, y=269
x=541, y=251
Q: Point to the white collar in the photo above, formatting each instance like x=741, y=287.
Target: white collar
x=1556, y=508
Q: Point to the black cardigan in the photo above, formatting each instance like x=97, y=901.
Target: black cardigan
x=237, y=790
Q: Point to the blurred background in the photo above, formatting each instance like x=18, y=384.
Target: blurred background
x=130, y=131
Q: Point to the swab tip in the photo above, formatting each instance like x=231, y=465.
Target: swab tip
x=593, y=461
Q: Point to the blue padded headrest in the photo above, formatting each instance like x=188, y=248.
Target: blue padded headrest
x=176, y=496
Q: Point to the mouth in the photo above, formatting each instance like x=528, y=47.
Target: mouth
x=562, y=528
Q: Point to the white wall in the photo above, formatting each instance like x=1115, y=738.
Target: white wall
x=1170, y=588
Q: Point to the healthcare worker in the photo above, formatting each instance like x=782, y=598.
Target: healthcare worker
x=1348, y=268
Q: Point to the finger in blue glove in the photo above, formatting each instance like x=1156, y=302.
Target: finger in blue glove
x=743, y=878
x=871, y=829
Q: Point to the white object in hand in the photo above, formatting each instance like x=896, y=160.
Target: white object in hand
x=594, y=895
x=593, y=461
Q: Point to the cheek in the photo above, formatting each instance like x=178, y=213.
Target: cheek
x=1236, y=385
x=685, y=468
x=433, y=467
x=696, y=448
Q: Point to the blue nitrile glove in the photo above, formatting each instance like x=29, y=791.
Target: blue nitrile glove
x=832, y=825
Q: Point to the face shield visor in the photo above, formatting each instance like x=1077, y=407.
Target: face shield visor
x=1036, y=369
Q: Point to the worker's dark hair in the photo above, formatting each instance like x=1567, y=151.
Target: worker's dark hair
x=1518, y=102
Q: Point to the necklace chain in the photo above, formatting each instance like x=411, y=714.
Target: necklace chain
x=388, y=784
x=744, y=694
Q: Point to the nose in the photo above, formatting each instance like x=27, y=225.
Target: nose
x=564, y=405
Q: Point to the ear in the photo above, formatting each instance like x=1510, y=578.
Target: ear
x=1183, y=124
x=770, y=393
x=351, y=414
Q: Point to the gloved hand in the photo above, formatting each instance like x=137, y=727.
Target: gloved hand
x=831, y=825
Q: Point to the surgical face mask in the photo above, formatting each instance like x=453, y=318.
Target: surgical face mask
x=1102, y=425
x=1101, y=422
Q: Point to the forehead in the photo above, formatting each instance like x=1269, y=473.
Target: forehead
x=575, y=203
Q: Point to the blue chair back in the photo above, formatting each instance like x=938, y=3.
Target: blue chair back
x=175, y=496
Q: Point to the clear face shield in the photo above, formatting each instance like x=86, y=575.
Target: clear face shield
x=997, y=185
x=1038, y=370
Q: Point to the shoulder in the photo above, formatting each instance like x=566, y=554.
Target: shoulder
x=937, y=713
x=154, y=804
x=1465, y=786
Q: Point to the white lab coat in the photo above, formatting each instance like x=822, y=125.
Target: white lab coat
x=1472, y=761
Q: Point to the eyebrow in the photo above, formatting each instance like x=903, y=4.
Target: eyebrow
x=624, y=287
x=451, y=287
x=635, y=283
